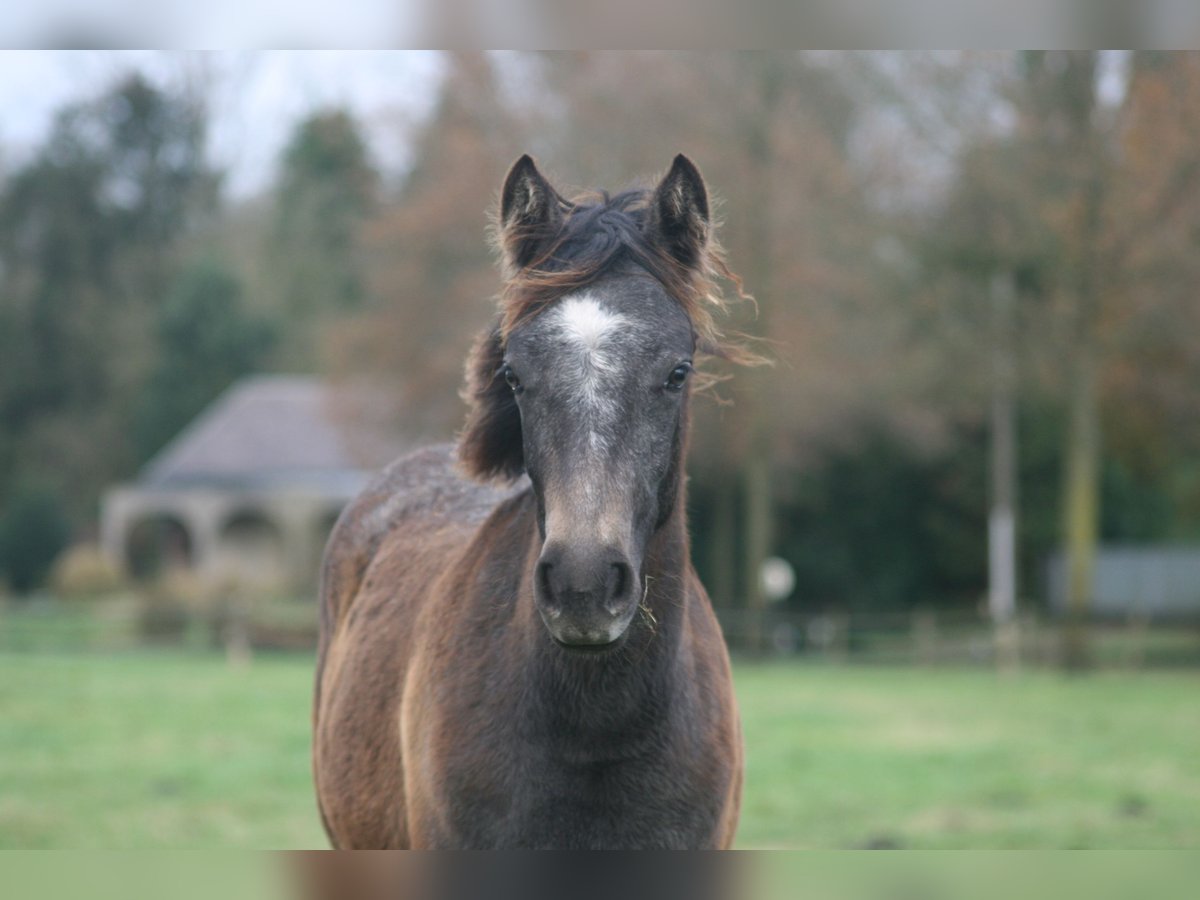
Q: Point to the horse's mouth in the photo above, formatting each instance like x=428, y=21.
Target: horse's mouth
x=584, y=636
x=590, y=649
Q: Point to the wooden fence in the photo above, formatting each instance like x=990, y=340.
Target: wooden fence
x=924, y=638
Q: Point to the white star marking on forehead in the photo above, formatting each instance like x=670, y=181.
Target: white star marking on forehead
x=588, y=328
x=585, y=322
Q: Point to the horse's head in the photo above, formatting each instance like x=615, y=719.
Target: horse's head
x=583, y=384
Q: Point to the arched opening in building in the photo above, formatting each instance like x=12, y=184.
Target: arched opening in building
x=252, y=550
x=157, y=543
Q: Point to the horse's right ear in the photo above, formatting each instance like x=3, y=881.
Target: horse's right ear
x=490, y=445
x=679, y=219
x=531, y=213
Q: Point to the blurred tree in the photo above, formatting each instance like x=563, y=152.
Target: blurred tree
x=206, y=341
x=1058, y=192
x=56, y=241
x=430, y=267
x=1113, y=175
x=882, y=527
x=985, y=261
x=157, y=180
x=90, y=230
x=1150, y=408
x=327, y=189
x=33, y=531
x=1066, y=127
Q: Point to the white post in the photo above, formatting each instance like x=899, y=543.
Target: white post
x=1002, y=530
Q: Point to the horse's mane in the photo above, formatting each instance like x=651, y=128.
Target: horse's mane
x=599, y=234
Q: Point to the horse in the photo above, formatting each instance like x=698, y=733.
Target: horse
x=515, y=649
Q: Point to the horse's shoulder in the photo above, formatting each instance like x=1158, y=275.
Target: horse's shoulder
x=428, y=485
x=425, y=486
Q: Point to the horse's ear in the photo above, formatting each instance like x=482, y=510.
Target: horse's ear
x=490, y=445
x=531, y=213
x=678, y=219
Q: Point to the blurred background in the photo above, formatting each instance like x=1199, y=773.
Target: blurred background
x=233, y=285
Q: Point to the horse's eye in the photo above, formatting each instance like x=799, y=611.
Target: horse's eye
x=678, y=377
x=511, y=379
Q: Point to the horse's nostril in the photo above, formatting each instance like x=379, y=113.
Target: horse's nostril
x=585, y=582
x=618, y=583
x=617, y=587
x=543, y=574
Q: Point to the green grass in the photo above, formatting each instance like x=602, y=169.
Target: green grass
x=176, y=750
x=145, y=750
x=963, y=758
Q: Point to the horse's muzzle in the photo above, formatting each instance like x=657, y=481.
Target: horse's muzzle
x=587, y=596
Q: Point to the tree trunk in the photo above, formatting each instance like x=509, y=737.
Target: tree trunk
x=1081, y=504
x=1002, y=541
x=757, y=543
x=766, y=79
x=1081, y=501
x=723, y=544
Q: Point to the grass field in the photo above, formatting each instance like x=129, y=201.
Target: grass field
x=176, y=750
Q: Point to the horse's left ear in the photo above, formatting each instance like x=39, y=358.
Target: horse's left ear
x=679, y=218
x=490, y=445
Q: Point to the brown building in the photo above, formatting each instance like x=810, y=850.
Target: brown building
x=250, y=490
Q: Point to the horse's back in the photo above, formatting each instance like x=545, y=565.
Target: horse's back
x=388, y=546
x=424, y=489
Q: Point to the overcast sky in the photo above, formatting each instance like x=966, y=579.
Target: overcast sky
x=255, y=97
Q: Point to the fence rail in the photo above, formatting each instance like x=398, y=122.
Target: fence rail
x=925, y=637
x=928, y=637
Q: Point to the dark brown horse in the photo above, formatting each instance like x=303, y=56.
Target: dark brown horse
x=524, y=657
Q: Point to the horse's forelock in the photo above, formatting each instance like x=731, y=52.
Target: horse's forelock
x=600, y=233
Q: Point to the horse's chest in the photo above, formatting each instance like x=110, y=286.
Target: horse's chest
x=539, y=799
x=546, y=803
x=524, y=776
